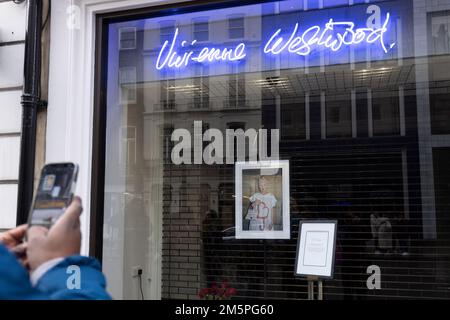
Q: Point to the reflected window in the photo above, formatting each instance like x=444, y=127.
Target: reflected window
x=128, y=150
x=440, y=110
x=236, y=29
x=201, y=88
x=167, y=93
x=338, y=115
x=201, y=29
x=236, y=89
x=385, y=113
x=127, y=80
x=440, y=33
x=127, y=38
x=167, y=29
x=293, y=118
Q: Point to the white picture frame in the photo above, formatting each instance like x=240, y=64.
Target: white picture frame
x=316, y=248
x=270, y=217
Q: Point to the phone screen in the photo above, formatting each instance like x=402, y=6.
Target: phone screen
x=54, y=193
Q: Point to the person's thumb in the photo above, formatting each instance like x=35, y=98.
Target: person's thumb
x=70, y=220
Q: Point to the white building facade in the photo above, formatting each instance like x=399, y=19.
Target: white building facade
x=12, y=46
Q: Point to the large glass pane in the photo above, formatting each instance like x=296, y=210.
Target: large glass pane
x=189, y=94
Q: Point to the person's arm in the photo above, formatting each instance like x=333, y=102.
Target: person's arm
x=253, y=200
x=75, y=277
x=274, y=201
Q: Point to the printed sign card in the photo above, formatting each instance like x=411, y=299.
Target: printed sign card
x=316, y=248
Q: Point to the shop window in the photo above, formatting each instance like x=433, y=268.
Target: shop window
x=439, y=42
x=127, y=38
x=236, y=28
x=201, y=29
x=385, y=113
x=338, y=116
x=178, y=221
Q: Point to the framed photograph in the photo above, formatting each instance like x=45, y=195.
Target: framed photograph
x=316, y=248
x=262, y=200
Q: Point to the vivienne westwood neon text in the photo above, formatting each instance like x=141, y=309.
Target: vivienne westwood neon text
x=333, y=35
x=327, y=37
x=169, y=57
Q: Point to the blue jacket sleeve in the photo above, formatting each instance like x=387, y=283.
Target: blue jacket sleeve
x=75, y=277
x=60, y=282
x=14, y=280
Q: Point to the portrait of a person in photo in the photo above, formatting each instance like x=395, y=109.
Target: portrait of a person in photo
x=261, y=213
x=262, y=200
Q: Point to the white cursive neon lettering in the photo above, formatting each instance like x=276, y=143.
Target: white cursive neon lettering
x=327, y=37
x=169, y=57
x=333, y=35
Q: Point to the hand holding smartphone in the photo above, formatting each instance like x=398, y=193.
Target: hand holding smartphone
x=54, y=194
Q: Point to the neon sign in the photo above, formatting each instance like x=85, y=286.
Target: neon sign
x=169, y=57
x=334, y=35
x=327, y=37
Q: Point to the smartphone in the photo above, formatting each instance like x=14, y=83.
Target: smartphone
x=54, y=193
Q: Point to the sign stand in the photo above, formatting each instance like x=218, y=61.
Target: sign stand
x=311, y=280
